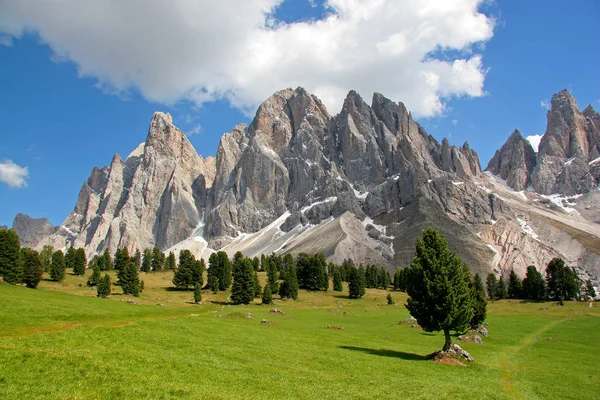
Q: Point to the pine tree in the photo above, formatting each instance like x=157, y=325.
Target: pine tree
x=438, y=290
x=129, y=279
x=105, y=261
x=121, y=258
x=492, y=286
x=95, y=277
x=46, y=256
x=197, y=293
x=501, y=291
x=70, y=258
x=104, y=287
x=267, y=297
x=11, y=269
x=356, y=283
x=390, y=299
x=257, y=288
x=479, y=302
x=272, y=280
x=589, y=290
x=534, y=286
x=171, y=261
x=562, y=281
x=146, y=261
x=32, y=267
x=158, y=260
x=289, y=286
x=219, y=265
x=242, y=290
x=337, y=280
x=213, y=283
x=515, y=286
x=198, y=268
x=57, y=266
x=80, y=262
x=186, y=273
x=137, y=259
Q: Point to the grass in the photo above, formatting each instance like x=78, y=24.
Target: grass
x=60, y=341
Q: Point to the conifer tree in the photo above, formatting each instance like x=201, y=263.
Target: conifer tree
x=272, y=280
x=104, y=287
x=213, y=283
x=146, y=261
x=129, y=279
x=337, y=280
x=105, y=261
x=121, y=258
x=492, y=286
x=289, y=287
x=515, y=286
x=439, y=294
x=46, y=256
x=57, y=266
x=137, y=259
x=562, y=281
x=257, y=288
x=390, y=299
x=80, y=262
x=158, y=260
x=32, y=267
x=479, y=302
x=94, y=279
x=242, y=290
x=70, y=258
x=11, y=269
x=501, y=291
x=184, y=276
x=534, y=286
x=267, y=296
x=356, y=283
x=197, y=293
x=171, y=262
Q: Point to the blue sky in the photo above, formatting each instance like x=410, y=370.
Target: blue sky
x=73, y=93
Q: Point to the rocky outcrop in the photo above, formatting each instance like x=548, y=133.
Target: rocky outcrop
x=32, y=231
x=514, y=162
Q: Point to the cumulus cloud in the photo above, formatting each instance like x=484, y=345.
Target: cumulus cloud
x=535, y=141
x=237, y=51
x=195, y=130
x=12, y=174
x=454, y=122
x=545, y=104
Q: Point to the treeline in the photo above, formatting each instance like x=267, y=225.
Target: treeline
x=561, y=283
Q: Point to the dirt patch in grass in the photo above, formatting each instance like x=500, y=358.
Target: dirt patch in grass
x=449, y=361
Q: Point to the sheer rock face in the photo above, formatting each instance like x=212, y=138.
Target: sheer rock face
x=514, y=162
x=31, y=230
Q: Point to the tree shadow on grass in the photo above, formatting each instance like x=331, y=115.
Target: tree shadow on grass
x=342, y=296
x=387, y=353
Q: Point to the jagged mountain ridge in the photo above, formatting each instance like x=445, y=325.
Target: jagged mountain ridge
x=362, y=183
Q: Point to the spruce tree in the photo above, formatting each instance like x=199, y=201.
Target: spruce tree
x=80, y=262
x=129, y=279
x=242, y=290
x=356, y=283
x=198, y=268
x=479, y=302
x=70, y=258
x=94, y=279
x=183, y=277
x=272, y=280
x=11, y=269
x=32, y=267
x=390, y=299
x=534, y=286
x=267, y=296
x=289, y=287
x=337, y=280
x=213, y=283
x=257, y=288
x=146, y=261
x=562, y=281
x=121, y=258
x=158, y=260
x=46, y=256
x=197, y=293
x=439, y=294
x=104, y=287
x=171, y=262
x=137, y=259
x=492, y=286
x=515, y=286
x=501, y=291
x=57, y=266
x=105, y=261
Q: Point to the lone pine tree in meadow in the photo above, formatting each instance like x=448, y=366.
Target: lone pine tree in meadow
x=267, y=296
x=242, y=290
x=33, y=267
x=129, y=279
x=337, y=280
x=197, y=293
x=104, y=287
x=57, y=266
x=439, y=294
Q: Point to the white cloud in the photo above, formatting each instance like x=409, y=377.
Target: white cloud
x=545, y=104
x=196, y=130
x=12, y=174
x=234, y=50
x=454, y=122
x=6, y=40
x=312, y=3
x=535, y=141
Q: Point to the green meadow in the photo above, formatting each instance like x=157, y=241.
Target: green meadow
x=61, y=342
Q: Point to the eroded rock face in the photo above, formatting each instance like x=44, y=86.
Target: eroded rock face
x=514, y=162
x=31, y=230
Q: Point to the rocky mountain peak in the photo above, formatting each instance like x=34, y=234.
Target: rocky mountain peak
x=32, y=230
x=514, y=162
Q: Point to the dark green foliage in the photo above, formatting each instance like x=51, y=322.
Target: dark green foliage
x=105, y=262
x=219, y=265
x=33, y=268
x=190, y=271
x=70, y=257
x=345, y=269
x=289, y=286
x=137, y=259
x=384, y=279
x=515, y=286
x=197, y=293
x=95, y=277
x=46, y=256
x=146, y=261
x=129, y=279
x=57, y=266
x=492, y=286
x=80, y=262
x=158, y=260
x=562, y=281
x=104, y=287
x=257, y=288
x=213, y=283
x=312, y=272
x=256, y=263
x=439, y=294
x=534, y=286
x=372, y=276
x=337, y=280
x=400, y=279
x=267, y=296
x=171, y=262
x=10, y=265
x=501, y=292
x=589, y=290
x=356, y=282
x=242, y=290
x=272, y=276
x=121, y=258
x=479, y=302
x=390, y=299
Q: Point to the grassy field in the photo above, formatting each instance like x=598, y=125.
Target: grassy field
x=62, y=342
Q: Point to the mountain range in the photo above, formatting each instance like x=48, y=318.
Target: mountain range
x=361, y=184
